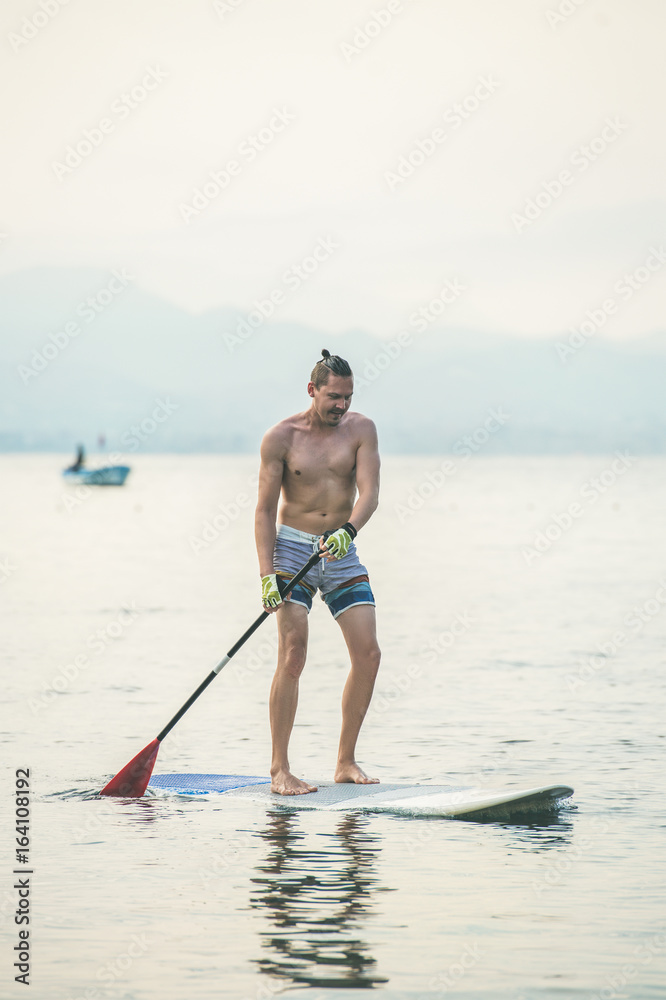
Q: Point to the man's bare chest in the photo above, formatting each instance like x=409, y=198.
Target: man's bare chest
x=315, y=460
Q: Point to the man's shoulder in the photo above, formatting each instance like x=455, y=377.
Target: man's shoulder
x=361, y=418
x=286, y=426
x=364, y=426
x=280, y=434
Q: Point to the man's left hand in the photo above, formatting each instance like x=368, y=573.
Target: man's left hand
x=336, y=544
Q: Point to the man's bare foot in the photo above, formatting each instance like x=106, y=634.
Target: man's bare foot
x=285, y=783
x=352, y=773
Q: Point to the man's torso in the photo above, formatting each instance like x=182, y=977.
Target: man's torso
x=319, y=474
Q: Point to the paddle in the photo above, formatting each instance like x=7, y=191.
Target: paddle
x=132, y=780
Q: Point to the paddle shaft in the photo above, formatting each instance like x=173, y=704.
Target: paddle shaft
x=284, y=590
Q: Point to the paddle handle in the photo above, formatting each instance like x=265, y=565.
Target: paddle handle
x=284, y=590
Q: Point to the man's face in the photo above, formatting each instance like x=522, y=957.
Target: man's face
x=332, y=400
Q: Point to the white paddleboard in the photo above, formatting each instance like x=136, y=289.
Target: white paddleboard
x=415, y=800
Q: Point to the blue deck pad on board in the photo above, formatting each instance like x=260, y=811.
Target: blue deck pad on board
x=200, y=784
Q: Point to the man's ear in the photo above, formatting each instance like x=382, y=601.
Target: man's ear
x=311, y=389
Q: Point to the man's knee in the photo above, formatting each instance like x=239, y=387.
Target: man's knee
x=292, y=651
x=372, y=656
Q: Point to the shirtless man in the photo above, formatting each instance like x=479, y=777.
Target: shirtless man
x=318, y=460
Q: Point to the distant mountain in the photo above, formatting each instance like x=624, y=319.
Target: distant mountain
x=86, y=351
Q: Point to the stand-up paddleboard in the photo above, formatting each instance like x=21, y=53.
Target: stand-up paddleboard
x=415, y=800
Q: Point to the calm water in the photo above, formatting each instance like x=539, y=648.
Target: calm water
x=117, y=603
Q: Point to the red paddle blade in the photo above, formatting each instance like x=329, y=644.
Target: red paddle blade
x=131, y=782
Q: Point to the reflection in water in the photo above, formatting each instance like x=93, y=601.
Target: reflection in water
x=314, y=902
x=541, y=833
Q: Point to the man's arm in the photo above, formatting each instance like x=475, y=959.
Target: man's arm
x=270, y=484
x=367, y=477
x=367, y=483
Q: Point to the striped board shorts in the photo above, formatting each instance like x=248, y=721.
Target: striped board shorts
x=343, y=583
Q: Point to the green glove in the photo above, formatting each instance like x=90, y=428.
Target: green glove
x=270, y=595
x=338, y=542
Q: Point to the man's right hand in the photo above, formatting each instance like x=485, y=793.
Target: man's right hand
x=270, y=594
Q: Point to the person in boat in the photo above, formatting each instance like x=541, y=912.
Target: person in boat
x=79, y=461
x=323, y=464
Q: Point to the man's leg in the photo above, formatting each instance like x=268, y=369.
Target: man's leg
x=292, y=622
x=358, y=626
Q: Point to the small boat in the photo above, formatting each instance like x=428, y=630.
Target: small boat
x=108, y=475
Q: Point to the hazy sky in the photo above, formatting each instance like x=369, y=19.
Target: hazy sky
x=115, y=113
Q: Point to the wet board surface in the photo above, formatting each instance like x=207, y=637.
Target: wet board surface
x=417, y=800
